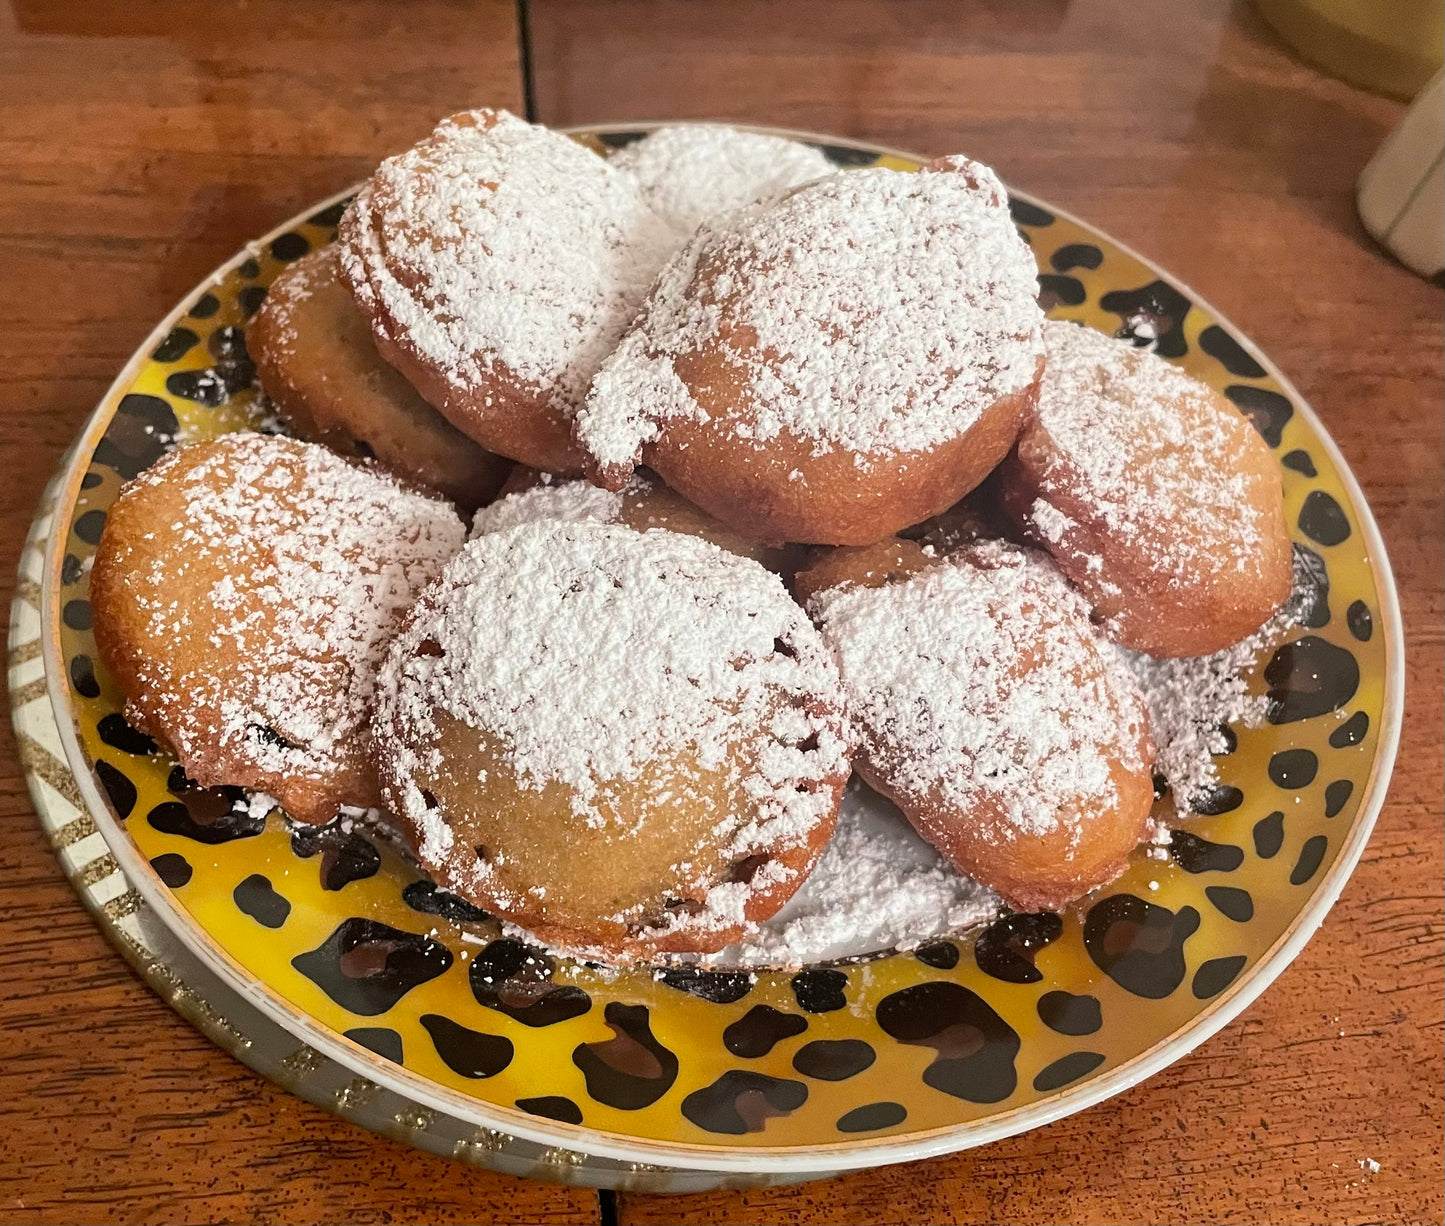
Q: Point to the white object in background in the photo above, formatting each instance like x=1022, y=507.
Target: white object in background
x=1401, y=195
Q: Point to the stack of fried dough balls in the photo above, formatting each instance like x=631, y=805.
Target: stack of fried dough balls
x=803, y=482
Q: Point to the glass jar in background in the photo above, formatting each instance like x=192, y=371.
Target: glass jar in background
x=1390, y=46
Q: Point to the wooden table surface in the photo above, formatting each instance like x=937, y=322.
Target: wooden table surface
x=142, y=144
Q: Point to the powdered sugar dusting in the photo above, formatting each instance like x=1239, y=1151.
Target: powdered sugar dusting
x=505, y=245
x=878, y=887
x=319, y=559
x=606, y=650
x=571, y=501
x=1193, y=699
x=691, y=172
x=982, y=676
x=889, y=310
x=1147, y=443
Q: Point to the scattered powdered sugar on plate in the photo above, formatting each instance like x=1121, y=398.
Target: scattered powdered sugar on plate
x=316, y=560
x=504, y=245
x=884, y=312
x=1146, y=444
x=255, y=805
x=1193, y=699
x=589, y=651
x=982, y=675
x=878, y=887
x=691, y=172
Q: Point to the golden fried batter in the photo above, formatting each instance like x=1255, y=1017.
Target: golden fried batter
x=317, y=363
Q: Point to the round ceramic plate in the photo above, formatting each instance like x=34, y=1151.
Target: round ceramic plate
x=323, y=948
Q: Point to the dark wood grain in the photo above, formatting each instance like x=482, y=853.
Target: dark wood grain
x=1186, y=131
x=139, y=146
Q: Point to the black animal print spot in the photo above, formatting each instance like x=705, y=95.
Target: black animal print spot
x=250, y=299
x=1150, y=316
x=632, y=1069
x=1269, y=835
x=619, y=140
x=137, y=436
x=118, y=788
x=207, y=815
x=1233, y=903
x=1196, y=855
x=820, y=991
x=430, y=899
x=871, y=1117
x=249, y=268
x=1229, y=741
x=1069, y=1014
x=1268, y=411
x=1300, y=461
x=552, y=1107
x=1140, y=946
x=177, y=344
x=382, y=1040
x=345, y=857
x=205, y=306
x=468, y=1053
x=1217, y=799
x=833, y=1059
x=76, y=614
x=70, y=565
x=720, y=987
x=741, y=1102
x=290, y=246
x=1007, y=947
x=256, y=897
x=233, y=365
x=1310, y=856
x=1322, y=519
x=512, y=979
x=174, y=817
x=1076, y=255
x=116, y=732
x=1351, y=732
x=1312, y=598
x=976, y=1047
x=1309, y=677
x=1217, y=974
x=1293, y=768
x=1336, y=795
x=172, y=868
x=761, y=1029
x=89, y=527
x=82, y=676
x=366, y=966
x=1056, y=290
x=1228, y=352
x=1026, y=213
x=228, y=346
x=330, y=215
x=1358, y=619
x=841, y=155
x=203, y=386
x=943, y=955
x=1066, y=1069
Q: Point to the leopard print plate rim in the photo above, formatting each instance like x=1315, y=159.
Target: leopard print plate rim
x=335, y=942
